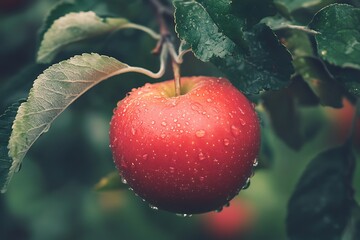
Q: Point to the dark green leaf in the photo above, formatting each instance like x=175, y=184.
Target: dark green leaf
x=321, y=205
x=339, y=41
x=110, y=182
x=253, y=60
x=6, y=122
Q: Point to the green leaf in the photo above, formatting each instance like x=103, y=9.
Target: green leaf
x=253, y=60
x=339, y=41
x=110, y=182
x=6, y=121
x=320, y=207
x=313, y=71
x=53, y=91
x=75, y=27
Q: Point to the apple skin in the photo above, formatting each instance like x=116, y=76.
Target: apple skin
x=187, y=154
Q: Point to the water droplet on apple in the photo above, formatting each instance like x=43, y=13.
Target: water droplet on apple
x=256, y=162
x=145, y=156
x=226, y=142
x=183, y=215
x=172, y=169
x=242, y=121
x=133, y=131
x=201, y=179
x=163, y=123
x=175, y=120
x=163, y=135
x=197, y=107
x=235, y=131
x=200, y=133
x=219, y=209
x=123, y=180
x=209, y=100
x=241, y=111
x=247, y=184
x=201, y=156
x=153, y=207
x=153, y=122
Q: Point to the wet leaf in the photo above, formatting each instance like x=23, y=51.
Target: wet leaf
x=339, y=41
x=253, y=60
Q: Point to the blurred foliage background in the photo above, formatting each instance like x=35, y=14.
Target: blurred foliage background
x=53, y=196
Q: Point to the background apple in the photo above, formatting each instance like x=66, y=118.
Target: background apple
x=187, y=154
x=232, y=222
x=341, y=122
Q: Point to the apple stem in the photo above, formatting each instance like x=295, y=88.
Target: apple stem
x=177, y=78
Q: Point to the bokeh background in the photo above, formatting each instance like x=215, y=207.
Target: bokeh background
x=53, y=195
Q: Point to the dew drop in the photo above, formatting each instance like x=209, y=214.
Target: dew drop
x=219, y=209
x=201, y=179
x=153, y=207
x=200, y=133
x=197, y=107
x=209, y=100
x=175, y=120
x=242, y=121
x=133, y=131
x=241, y=111
x=152, y=122
x=183, y=215
x=235, y=131
x=201, y=156
x=163, y=123
x=247, y=184
x=172, y=169
x=145, y=156
x=226, y=142
x=256, y=162
x=163, y=135
x=123, y=180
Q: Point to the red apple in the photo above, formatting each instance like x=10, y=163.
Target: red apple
x=232, y=222
x=187, y=154
x=341, y=121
